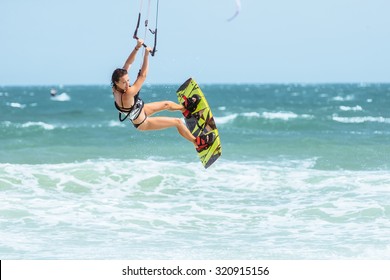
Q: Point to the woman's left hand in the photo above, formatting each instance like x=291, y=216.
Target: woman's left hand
x=149, y=50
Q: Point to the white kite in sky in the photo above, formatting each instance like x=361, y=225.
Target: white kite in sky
x=238, y=9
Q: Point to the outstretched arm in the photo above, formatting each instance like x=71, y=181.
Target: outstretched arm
x=143, y=71
x=131, y=58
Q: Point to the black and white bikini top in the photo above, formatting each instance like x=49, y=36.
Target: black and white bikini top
x=133, y=112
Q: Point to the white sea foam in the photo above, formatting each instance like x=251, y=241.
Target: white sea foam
x=365, y=119
x=354, y=109
x=48, y=126
x=61, y=97
x=280, y=115
x=251, y=115
x=6, y=123
x=284, y=116
x=348, y=97
x=229, y=210
x=43, y=125
x=16, y=105
x=225, y=119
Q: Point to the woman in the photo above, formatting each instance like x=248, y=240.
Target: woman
x=127, y=101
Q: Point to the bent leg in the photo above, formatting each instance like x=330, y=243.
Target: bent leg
x=154, y=107
x=157, y=123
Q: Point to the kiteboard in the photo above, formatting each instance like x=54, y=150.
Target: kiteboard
x=201, y=121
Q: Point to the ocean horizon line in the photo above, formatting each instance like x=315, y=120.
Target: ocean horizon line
x=147, y=84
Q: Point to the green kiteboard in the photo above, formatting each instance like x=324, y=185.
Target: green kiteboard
x=201, y=121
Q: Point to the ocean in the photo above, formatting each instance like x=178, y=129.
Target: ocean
x=304, y=174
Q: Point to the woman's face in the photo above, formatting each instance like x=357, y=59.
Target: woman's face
x=123, y=82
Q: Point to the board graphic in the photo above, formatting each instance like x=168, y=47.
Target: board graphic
x=201, y=121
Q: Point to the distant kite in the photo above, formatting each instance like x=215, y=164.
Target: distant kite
x=238, y=9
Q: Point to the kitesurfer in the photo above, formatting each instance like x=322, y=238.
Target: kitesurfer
x=129, y=103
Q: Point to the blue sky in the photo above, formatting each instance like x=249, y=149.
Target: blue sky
x=52, y=42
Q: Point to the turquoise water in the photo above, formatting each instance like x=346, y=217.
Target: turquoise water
x=304, y=174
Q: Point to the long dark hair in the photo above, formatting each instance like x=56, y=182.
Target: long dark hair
x=116, y=75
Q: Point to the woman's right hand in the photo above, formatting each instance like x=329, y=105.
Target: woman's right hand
x=140, y=42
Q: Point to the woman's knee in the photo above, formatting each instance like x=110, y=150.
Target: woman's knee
x=168, y=105
x=178, y=122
